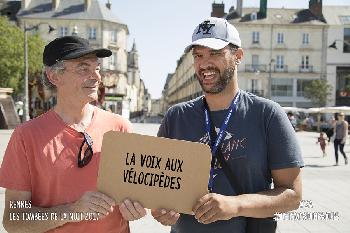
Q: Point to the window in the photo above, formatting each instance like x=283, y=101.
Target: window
x=113, y=36
x=305, y=62
x=301, y=84
x=254, y=84
x=345, y=19
x=280, y=38
x=63, y=31
x=282, y=87
x=346, y=45
x=256, y=37
x=279, y=62
x=255, y=62
x=253, y=16
x=113, y=59
x=92, y=33
x=305, y=38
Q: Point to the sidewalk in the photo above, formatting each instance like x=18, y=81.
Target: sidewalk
x=325, y=187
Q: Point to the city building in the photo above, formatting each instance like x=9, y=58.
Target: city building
x=93, y=20
x=9, y=9
x=284, y=49
x=338, y=53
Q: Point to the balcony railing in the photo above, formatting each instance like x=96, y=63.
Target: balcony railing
x=305, y=69
x=255, y=68
x=282, y=93
x=280, y=68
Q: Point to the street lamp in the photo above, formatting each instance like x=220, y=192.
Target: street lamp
x=334, y=44
x=270, y=80
x=26, y=83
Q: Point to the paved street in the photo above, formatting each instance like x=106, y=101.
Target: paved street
x=326, y=189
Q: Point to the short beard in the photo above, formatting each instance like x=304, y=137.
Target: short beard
x=221, y=84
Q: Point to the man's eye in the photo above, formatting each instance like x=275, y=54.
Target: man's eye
x=195, y=56
x=214, y=53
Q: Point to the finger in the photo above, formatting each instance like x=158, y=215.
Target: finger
x=125, y=212
x=201, y=201
x=94, y=200
x=207, y=217
x=169, y=218
x=98, y=209
x=212, y=219
x=130, y=206
x=203, y=209
x=139, y=208
x=110, y=201
x=158, y=212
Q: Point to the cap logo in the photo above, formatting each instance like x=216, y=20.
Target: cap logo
x=205, y=27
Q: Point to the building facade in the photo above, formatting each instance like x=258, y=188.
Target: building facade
x=338, y=53
x=284, y=49
x=93, y=20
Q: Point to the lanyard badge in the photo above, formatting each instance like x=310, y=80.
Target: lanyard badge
x=214, y=145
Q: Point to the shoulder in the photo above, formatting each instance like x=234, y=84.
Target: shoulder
x=259, y=104
x=188, y=107
x=41, y=122
x=117, y=121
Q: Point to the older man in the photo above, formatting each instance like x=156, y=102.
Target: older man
x=51, y=162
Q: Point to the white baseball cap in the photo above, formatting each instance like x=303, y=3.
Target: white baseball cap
x=215, y=33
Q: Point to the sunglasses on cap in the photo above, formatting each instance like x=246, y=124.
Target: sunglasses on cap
x=84, y=159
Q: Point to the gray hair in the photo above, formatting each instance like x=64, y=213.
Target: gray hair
x=57, y=68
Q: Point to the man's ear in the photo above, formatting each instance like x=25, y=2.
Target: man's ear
x=239, y=56
x=52, y=77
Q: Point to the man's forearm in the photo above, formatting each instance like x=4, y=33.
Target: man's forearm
x=21, y=224
x=267, y=203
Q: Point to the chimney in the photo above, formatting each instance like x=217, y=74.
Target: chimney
x=24, y=4
x=315, y=6
x=263, y=9
x=239, y=7
x=87, y=4
x=108, y=5
x=218, y=10
x=55, y=4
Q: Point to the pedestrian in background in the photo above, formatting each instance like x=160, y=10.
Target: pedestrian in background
x=341, y=133
x=330, y=129
x=322, y=140
x=251, y=138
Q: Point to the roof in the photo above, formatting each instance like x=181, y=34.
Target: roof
x=277, y=16
x=10, y=8
x=69, y=9
x=334, y=14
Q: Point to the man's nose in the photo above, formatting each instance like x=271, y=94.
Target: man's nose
x=96, y=75
x=205, y=64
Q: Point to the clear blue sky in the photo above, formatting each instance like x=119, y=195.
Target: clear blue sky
x=163, y=28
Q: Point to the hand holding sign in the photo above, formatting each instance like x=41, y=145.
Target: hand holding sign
x=156, y=172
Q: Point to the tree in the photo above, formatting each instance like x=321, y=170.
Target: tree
x=318, y=91
x=12, y=55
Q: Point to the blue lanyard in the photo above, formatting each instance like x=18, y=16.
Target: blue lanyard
x=214, y=145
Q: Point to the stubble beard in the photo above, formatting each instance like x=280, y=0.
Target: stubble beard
x=221, y=83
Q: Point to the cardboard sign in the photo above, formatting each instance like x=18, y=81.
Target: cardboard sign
x=157, y=172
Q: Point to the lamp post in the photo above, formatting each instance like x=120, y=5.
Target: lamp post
x=269, y=83
x=26, y=81
x=334, y=44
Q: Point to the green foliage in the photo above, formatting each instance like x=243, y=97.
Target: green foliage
x=12, y=55
x=318, y=91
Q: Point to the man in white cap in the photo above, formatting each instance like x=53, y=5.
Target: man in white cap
x=256, y=159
